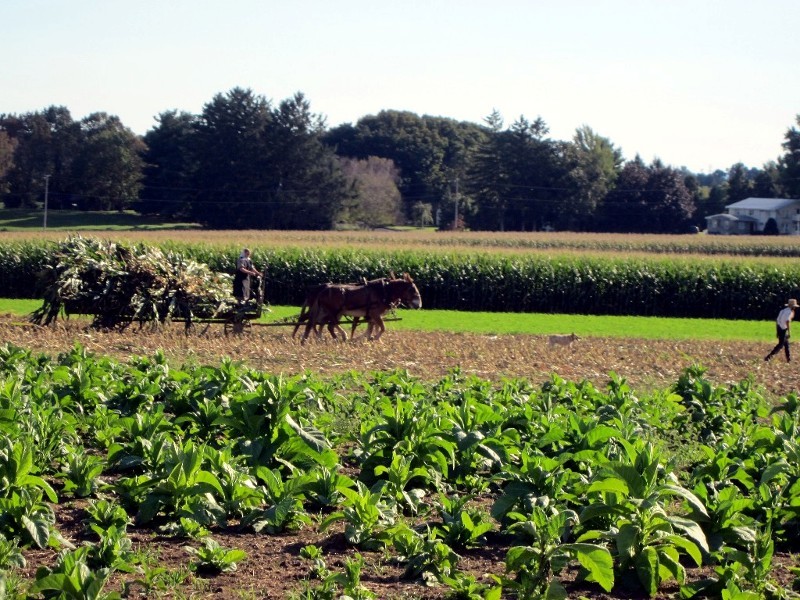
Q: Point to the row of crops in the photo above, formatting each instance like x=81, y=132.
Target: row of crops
x=617, y=285
x=752, y=246
x=625, y=490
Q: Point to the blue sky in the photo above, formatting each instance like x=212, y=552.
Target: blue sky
x=701, y=83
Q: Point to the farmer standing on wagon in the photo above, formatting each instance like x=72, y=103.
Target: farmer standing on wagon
x=244, y=271
x=782, y=328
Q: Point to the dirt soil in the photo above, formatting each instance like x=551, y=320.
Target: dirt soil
x=646, y=364
x=273, y=568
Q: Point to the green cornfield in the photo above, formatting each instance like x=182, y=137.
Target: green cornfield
x=487, y=279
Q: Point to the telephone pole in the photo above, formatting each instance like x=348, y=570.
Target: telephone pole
x=46, y=192
x=455, y=204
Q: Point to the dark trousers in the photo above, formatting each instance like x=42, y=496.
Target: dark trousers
x=241, y=286
x=783, y=342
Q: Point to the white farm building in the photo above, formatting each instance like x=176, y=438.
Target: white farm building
x=750, y=216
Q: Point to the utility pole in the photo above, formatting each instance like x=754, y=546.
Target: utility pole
x=455, y=204
x=46, y=192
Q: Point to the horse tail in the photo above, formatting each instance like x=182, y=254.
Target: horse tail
x=302, y=317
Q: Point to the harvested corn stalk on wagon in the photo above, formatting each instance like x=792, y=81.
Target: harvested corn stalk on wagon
x=119, y=284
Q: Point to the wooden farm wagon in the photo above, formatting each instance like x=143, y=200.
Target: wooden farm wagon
x=119, y=285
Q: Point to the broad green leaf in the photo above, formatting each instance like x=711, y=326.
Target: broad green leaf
x=647, y=570
x=627, y=540
x=330, y=520
x=694, y=532
x=313, y=437
x=747, y=535
x=601, y=434
x=693, y=500
x=38, y=529
x=669, y=562
x=209, y=479
x=613, y=485
x=494, y=593
x=595, y=559
x=555, y=591
x=33, y=480
x=54, y=581
x=774, y=470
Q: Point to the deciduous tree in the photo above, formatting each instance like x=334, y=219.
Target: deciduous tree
x=46, y=144
x=6, y=158
x=108, y=166
x=376, y=200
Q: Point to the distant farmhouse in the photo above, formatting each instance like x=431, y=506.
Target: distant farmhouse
x=750, y=216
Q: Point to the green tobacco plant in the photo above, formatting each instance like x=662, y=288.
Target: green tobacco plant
x=268, y=433
x=49, y=430
x=213, y=558
x=113, y=550
x=345, y=585
x=319, y=569
x=476, y=428
x=411, y=426
x=71, y=578
x=367, y=514
x=742, y=574
x=182, y=489
x=205, y=420
x=323, y=487
x=546, y=552
x=240, y=491
x=536, y=481
x=81, y=472
x=729, y=521
x=105, y=426
x=424, y=555
x=350, y=579
x=10, y=554
x=633, y=497
x=105, y=514
x=465, y=587
x=185, y=527
x=24, y=515
x=399, y=477
x=17, y=469
x=462, y=527
x=285, y=511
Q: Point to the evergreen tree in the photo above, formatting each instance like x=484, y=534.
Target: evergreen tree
x=311, y=185
x=234, y=185
x=789, y=163
x=170, y=166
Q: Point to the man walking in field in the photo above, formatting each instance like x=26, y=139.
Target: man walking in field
x=782, y=328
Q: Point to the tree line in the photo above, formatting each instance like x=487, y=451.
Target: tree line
x=245, y=162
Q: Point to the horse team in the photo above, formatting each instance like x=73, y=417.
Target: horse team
x=327, y=304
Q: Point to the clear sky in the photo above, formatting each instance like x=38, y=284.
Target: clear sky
x=696, y=83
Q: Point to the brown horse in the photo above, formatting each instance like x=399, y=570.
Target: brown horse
x=312, y=293
x=368, y=301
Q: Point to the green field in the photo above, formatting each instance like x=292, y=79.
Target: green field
x=72, y=220
x=531, y=324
